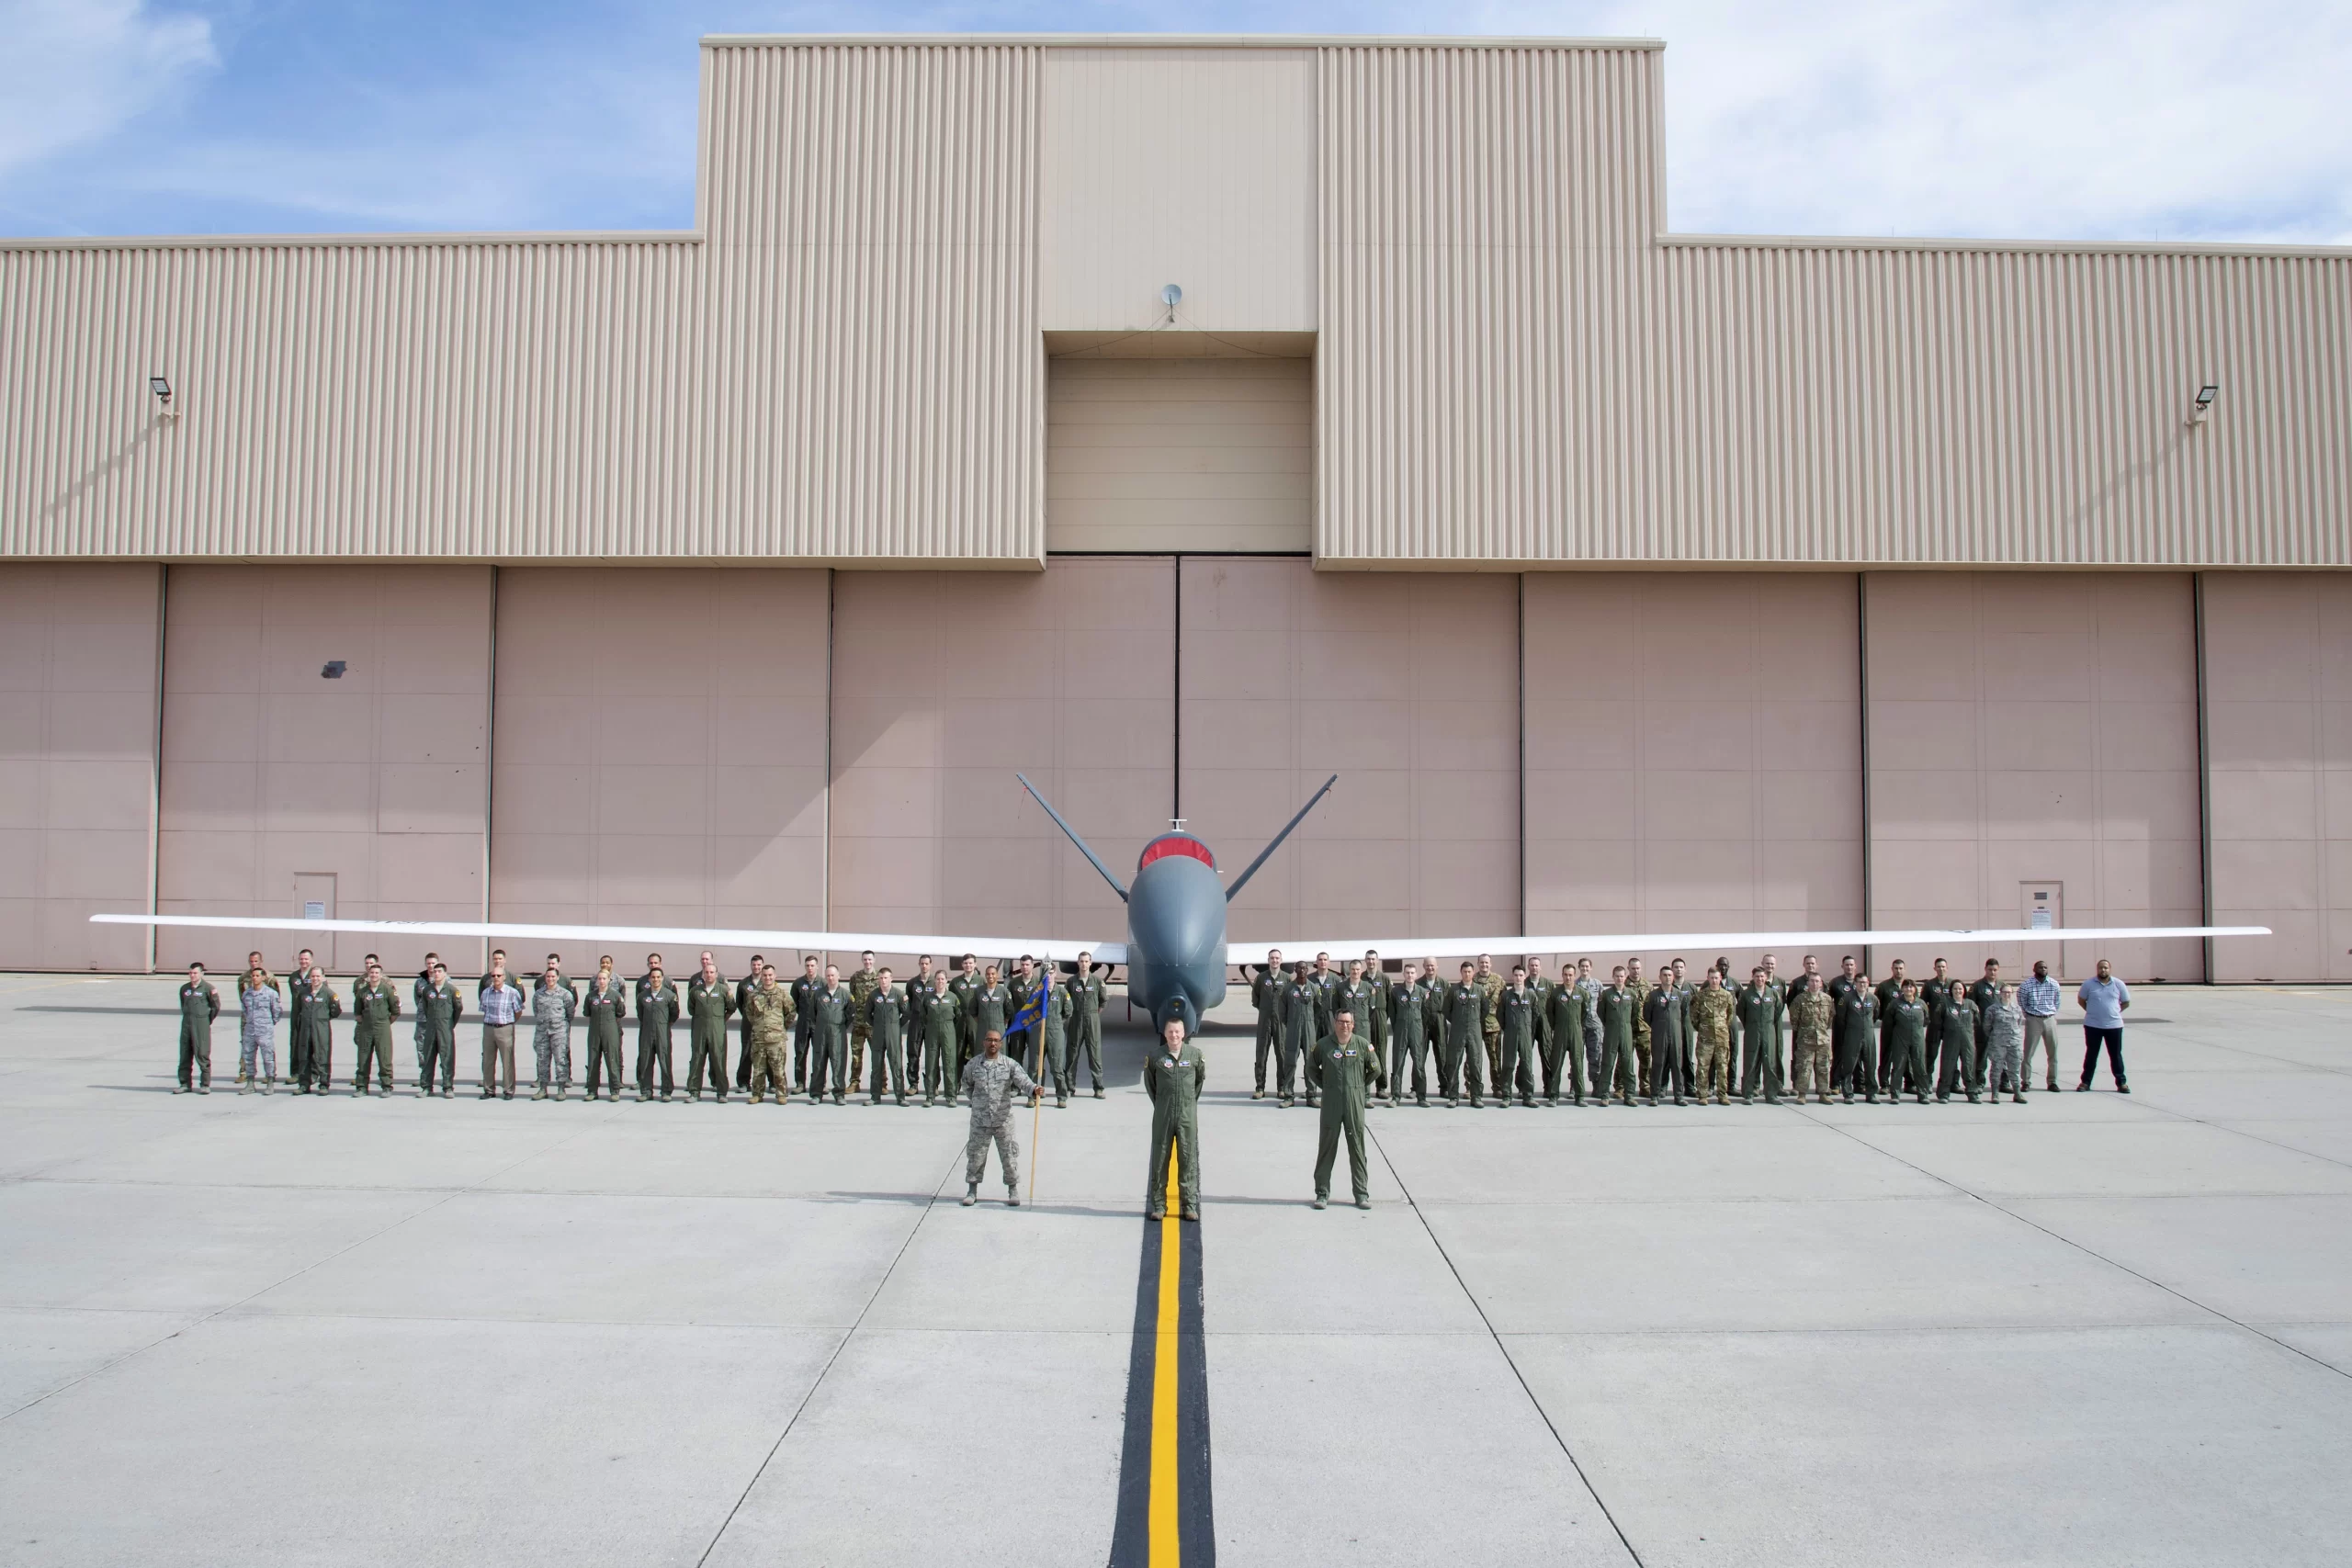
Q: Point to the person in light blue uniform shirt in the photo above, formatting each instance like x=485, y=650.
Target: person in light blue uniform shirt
x=2105, y=999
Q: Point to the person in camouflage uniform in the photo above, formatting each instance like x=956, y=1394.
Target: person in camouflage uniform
x=1811, y=1015
x=769, y=1014
x=553, y=1006
x=1634, y=982
x=991, y=1080
x=1489, y=982
x=2004, y=1046
x=1714, y=1026
x=258, y=1001
x=861, y=1028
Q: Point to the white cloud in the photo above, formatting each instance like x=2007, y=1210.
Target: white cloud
x=74, y=70
x=2168, y=120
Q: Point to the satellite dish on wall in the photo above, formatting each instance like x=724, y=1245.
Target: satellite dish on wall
x=1169, y=294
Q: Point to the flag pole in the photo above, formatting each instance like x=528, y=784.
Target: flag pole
x=1037, y=1086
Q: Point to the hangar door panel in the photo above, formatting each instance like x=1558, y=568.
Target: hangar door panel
x=1179, y=454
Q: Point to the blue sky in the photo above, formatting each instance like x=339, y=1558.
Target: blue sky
x=2169, y=119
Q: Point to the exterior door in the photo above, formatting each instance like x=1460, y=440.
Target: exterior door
x=2042, y=907
x=314, y=900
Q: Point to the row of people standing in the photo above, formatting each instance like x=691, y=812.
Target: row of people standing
x=1526, y=1034
x=813, y=1033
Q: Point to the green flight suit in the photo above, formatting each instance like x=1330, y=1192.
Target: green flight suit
x=961, y=988
x=199, y=1005
x=1887, y=992
x=1907, y=1046
x=373, y=1008
x=804, y=986
x=1856, y=1027
x=1086, y=997
x=1662, y=1010
x=1267, y=987
x=1813, y=1024
x=604, y=1010
x=886, y=1030
x=831, y=1012
x=1563, y=1019
x=1361, y=997
x=1376, y=1029
x=1621, y=1072
x=1053, y=1040
x=1175, y=1081
x=1516, y=1013
x=1760, y=1036
x=437, y=1011
x=943, y=1035
x=743, y=989
x=708, y=1006
x=1302, y=1022
x=1408, y=1009
x=1342, y=1076
x=1020, y=1043
x=312, y=1036
x=986, y=1007
x=1960, y=1066
x=1465, y=1013
x=657, y=1014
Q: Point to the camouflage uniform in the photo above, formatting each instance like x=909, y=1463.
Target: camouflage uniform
x=860, y=1027
x=769, y=1015
x=2004, y=1037
x=1810, y=1016
x=991, y=1086
x=258, y=1035
x=1490, y=985
x=551, y=1010
x=1714, y=1023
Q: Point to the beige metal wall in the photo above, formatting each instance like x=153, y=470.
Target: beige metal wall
x=660, y=754
x=1406, y=687
x=272, y=772
x=77, y=761
x=1693, y=754
x=846, y=365
x=2278, y=747
x=2036, y=728
x=1191, y=167
x=1180, y=455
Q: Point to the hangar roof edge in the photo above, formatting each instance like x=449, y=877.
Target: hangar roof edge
x=1183, y=40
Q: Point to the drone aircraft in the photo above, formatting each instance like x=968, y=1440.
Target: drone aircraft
x=1176, y=953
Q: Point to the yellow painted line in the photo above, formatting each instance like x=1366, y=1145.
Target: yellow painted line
x=1167, y=1543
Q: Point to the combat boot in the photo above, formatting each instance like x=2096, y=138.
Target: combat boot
x=971, y=1193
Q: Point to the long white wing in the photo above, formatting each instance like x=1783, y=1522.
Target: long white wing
x=687, y=938
x=1698, y=944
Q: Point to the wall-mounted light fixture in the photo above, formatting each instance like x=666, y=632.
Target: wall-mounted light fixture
x=162, y=387
x=2204, y=403
x=332, y=669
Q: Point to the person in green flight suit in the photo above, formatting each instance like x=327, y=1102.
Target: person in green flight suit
x=1085, y=996
x=1408, y=1005
x=1463, y=1012
x=1517, y=1008
x=1375, y=1029
x=1758, y=1005
x=709, y=1001
x=1358, y=994
x=657, y=1013
x=1960, y=1066
x=1856, y=1027
x=1301, y=1026
x=804, y=985
x=1619, y=1005
x=315, y=1007
x=829, y=1013
x=1268, y=985
x=1053, y=1036
x=1560, y=1021
x=1342, y=1069
x=1021, y=1044
x=886, y=1030
x=199, y=1005
x=966, y=980
x=1888, y=992
x=440, y=1005
x=988, y=1006
x=374, y=1005
x=1907, y=1042
x=942, y=1033
x=1172, y=1075
x=604, y=1005
x=1662, y=1011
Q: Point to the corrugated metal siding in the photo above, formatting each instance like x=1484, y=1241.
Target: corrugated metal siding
x=1195, y=167
x=1485, y=215
x=1513, y=370
x=849, y=367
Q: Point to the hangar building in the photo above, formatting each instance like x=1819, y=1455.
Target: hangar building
x=1630, y=580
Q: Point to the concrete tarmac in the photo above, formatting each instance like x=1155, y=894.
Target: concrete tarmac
x=2090, y=1329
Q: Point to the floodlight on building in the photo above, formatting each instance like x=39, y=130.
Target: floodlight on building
x=1170, y=295
x=2204, y=403
x=162, y=387
x=332, y=669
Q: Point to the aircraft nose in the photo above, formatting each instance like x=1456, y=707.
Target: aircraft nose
x=1176, y=911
